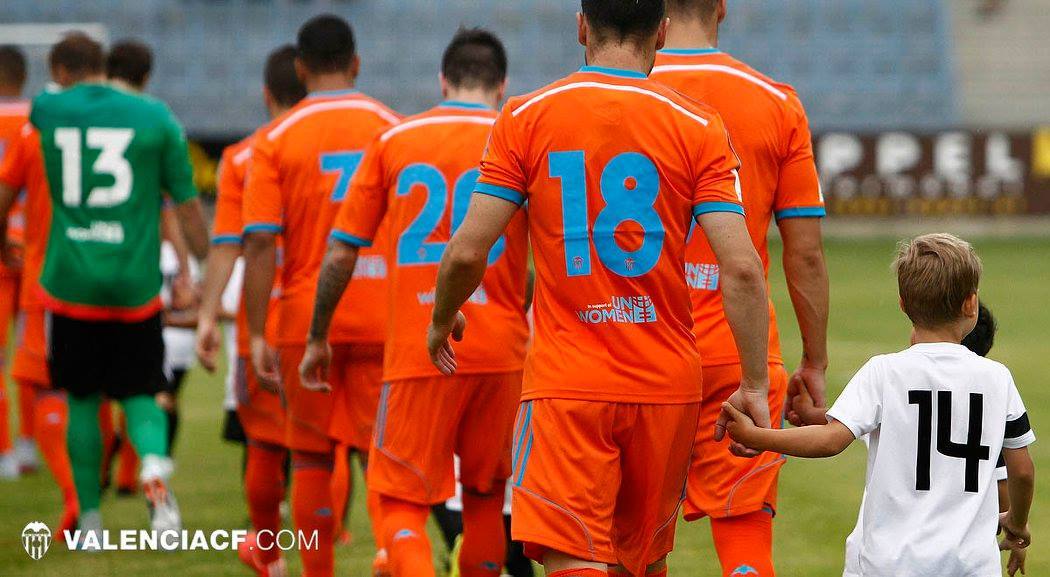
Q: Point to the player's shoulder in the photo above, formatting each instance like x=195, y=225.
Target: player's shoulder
x=15, y=109
x=441, y=118
x=330, y=104
x=239, y=152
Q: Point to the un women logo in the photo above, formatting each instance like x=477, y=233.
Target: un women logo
x=36, y=539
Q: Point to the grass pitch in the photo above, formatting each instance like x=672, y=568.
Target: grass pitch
x=818, y=498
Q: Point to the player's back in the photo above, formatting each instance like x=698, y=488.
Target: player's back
x=13, y=116
x=615, y=167
x=426, y=190
x=770, y=134
x=936, y=414
x=109, y=156
x=23, y=167
x=300, y=172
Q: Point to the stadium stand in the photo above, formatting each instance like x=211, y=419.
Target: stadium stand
x=890, y=62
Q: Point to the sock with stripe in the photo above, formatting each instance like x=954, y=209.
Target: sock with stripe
x=312, y=509
x=745, y=544
x=405, y=536
x=264, y=491
x=484, y=543
x=579, y=573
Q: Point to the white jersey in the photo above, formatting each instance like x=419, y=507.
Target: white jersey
x=936, y=416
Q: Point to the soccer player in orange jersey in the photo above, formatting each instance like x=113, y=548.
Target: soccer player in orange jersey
x=299, y=173
x=614, y=168
x=13, y=113
x=260, y=411
x=22, y=171
x=423, y=191
x=770, y=134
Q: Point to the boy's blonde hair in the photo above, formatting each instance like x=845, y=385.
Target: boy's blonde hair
x=936, y=273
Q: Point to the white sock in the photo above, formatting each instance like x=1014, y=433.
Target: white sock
x=156, y=467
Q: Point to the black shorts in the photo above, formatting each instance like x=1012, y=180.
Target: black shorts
x=116, y=359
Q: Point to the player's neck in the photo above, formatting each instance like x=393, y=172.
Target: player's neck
x=621, y=56
x=124, y=85
x=946, y=334
x=487, y=98
x=691, y=33
x=329, y=82
x=10, y=93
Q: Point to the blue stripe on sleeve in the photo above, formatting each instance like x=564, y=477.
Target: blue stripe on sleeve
x=349, y=238
x=708, y=207
x=503, y=192
x=801, y=212
x=262, y=227
x=226, y=239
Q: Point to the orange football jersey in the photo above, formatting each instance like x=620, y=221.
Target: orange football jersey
x=778, y=176
x=23, y=168
x=228, y=224
x=299, y=173
x=423, y=192
x=13, y=116
x=614, y=168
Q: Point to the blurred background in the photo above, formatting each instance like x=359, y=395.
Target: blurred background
x=921, y=107
x=927, y=115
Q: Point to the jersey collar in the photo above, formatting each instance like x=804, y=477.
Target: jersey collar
x=689, y=51
x=944, y=347
x=464, y=105
x=613, y=71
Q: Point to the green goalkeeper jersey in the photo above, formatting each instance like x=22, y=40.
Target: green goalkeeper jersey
x=110, y=157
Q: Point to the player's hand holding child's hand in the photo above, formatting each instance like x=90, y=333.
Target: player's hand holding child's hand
x=441, y=352
x=1015, y=537
x=740, y=427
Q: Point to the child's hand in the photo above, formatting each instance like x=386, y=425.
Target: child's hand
x=1016, y=562
x=739, y=426
x=803, y=411
x=1015, y=538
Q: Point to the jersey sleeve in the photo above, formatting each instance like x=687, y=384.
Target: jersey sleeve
x=1000, y=468
x=365, y=205
x=502, y=165
x=262, y=211
x=798, y=193
x=717, y=187
x=228, y=224
x=859, y=407
x=13, y=167
x=176, y=171
x=1019, y=431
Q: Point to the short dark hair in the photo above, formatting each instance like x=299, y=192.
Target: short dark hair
x=475, y=59
x=623, y=19
x=78, y=54
x=280, y=77
x=12, y=67
x=701, y=9
x=982, y=337
x=326, y=44
x=130, y=61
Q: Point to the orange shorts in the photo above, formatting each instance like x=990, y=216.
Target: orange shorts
x=720, y=484
x=423, y=422
x=30, y=362
x=600, y=481
x=356, y=376
x=8, y=308
x=261, y=412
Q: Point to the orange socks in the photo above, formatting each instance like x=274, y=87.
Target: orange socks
x=26, y=402
x=342, y=486
x=745, y=544
x=579, y=573
x=312, y=509
x=50, y=421
x=484, y=537
x=264, y=490
x=405, y=536
x=375, y=517
x=5, y=425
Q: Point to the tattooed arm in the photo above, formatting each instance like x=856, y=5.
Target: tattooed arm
x=336, y=270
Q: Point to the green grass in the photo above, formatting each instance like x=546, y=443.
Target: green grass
x=819, y=498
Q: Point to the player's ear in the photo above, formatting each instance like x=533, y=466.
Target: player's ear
x=444, y=85
x=722, y=10
x=300, y=70
x=581, y=29
x=355, y=66
x=502, y=90
x=661, y=33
